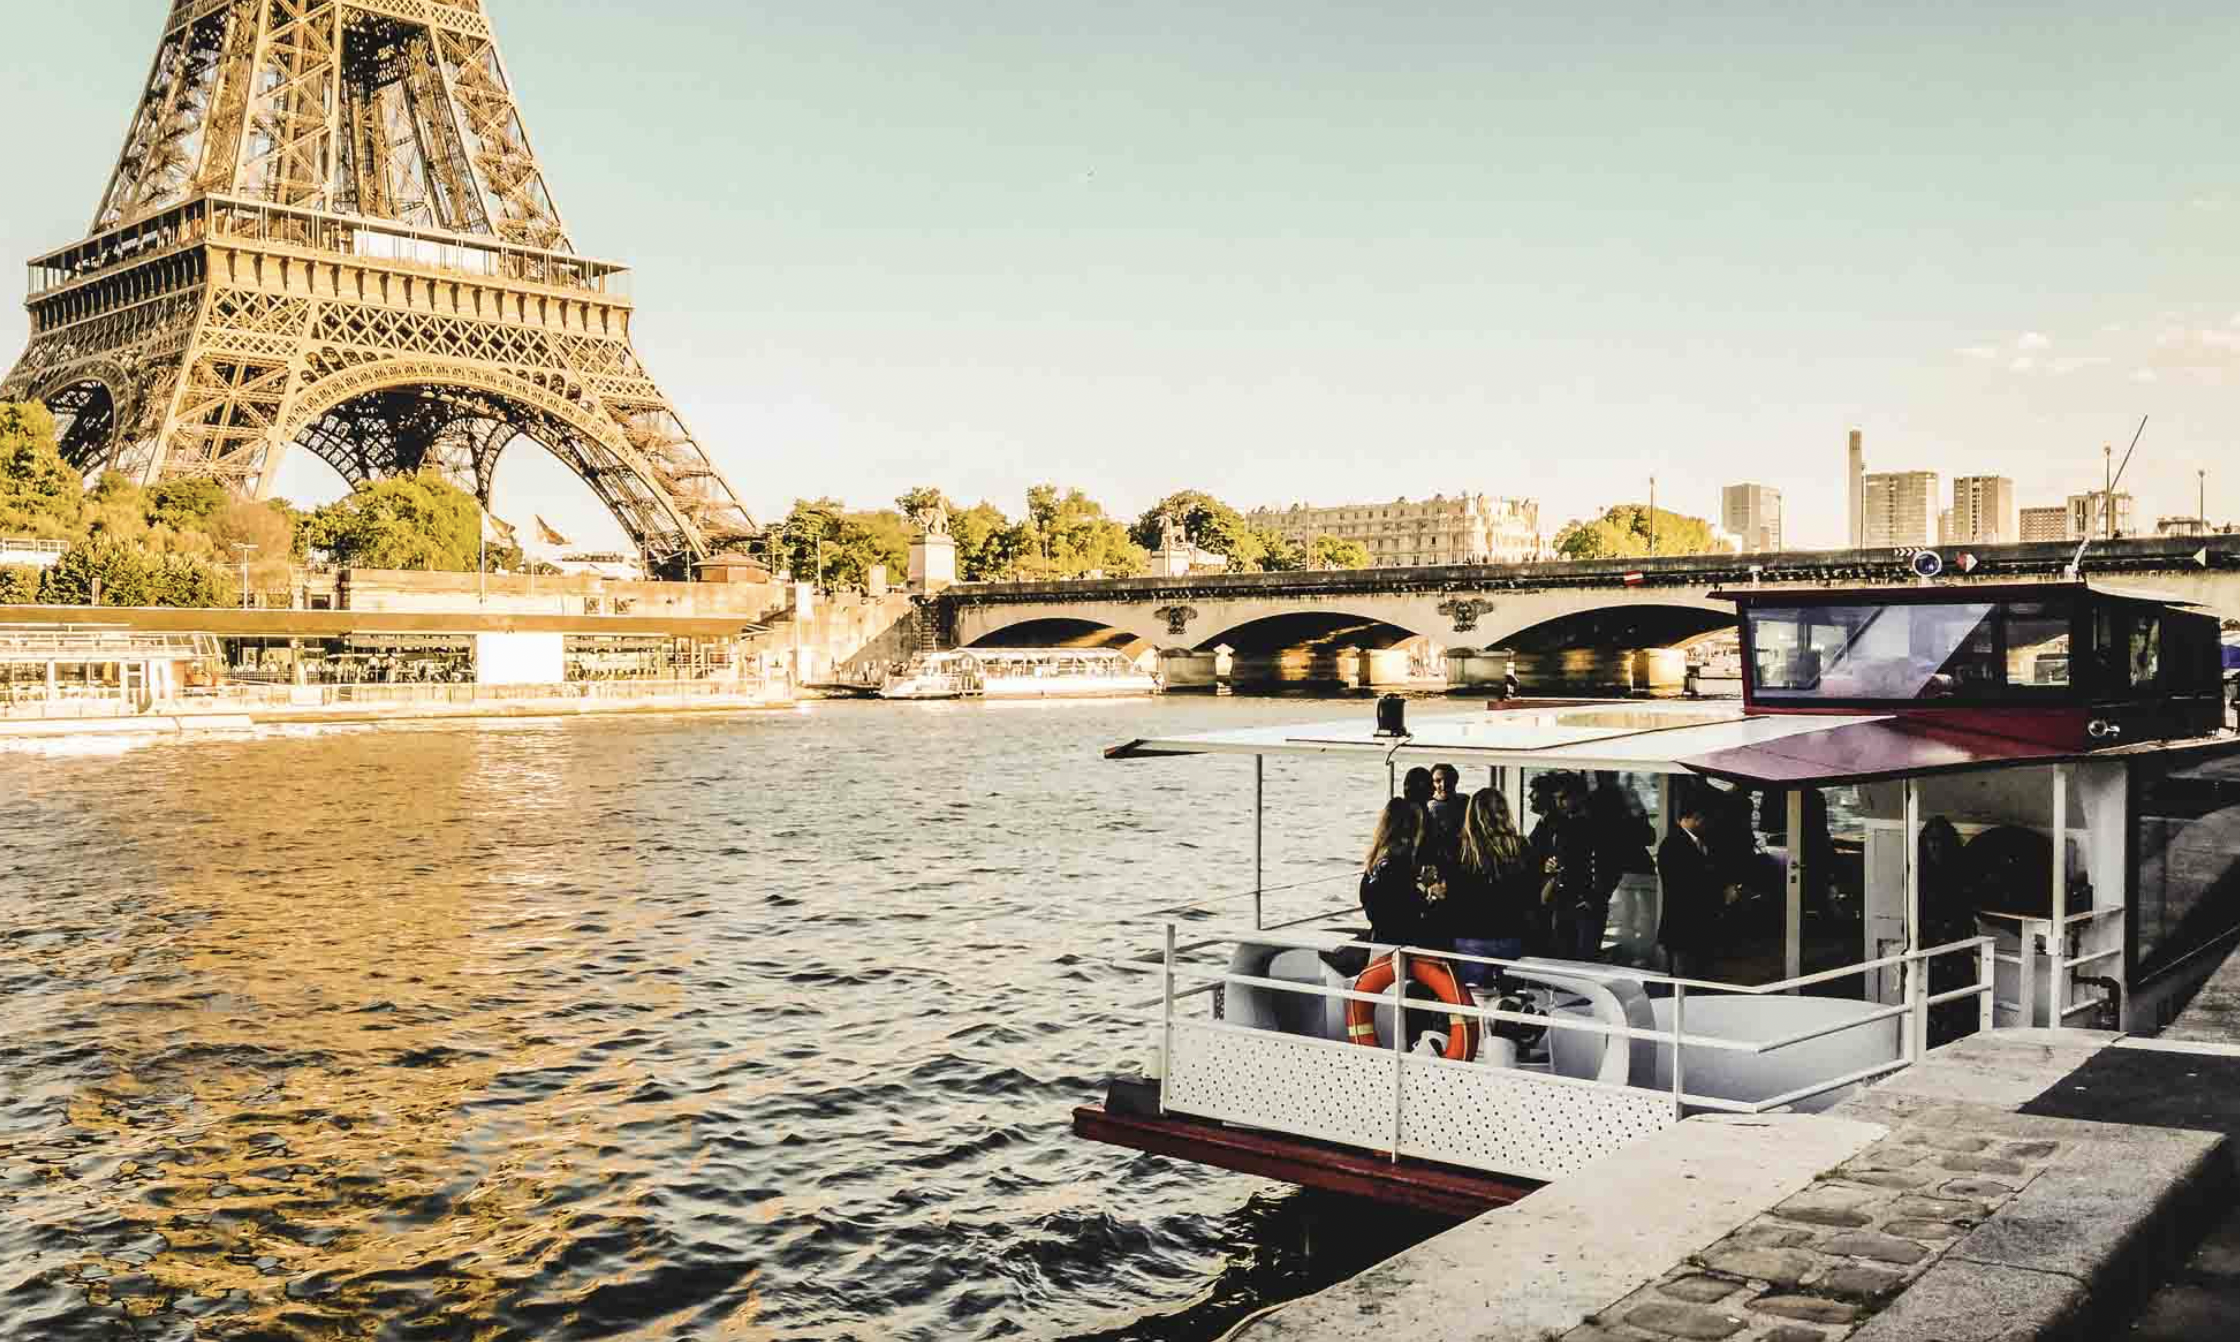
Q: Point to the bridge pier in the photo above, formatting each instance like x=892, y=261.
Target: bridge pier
x=1186, y=669
x=1468, y=669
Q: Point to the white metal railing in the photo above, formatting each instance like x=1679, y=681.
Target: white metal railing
x=1181, y=982
x=2036, y=944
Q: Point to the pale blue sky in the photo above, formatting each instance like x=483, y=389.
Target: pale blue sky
x=1313, y=251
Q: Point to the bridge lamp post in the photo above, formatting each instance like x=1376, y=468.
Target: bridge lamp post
x=244, y=547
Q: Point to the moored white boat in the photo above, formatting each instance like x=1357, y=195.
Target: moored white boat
x=1020, y=673
x=2069, y=738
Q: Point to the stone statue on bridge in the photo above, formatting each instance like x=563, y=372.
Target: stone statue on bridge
x=1171, y=537
x=933, y=519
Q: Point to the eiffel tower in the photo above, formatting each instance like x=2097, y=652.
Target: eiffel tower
x=327, y=230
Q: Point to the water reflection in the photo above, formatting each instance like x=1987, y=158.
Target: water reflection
x=668, y=1028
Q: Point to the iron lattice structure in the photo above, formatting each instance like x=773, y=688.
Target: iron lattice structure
x=327, y=229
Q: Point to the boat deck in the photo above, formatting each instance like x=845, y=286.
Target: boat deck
x=1415, y=1184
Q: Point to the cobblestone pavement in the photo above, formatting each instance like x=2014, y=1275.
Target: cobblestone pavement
x=1818, y=1265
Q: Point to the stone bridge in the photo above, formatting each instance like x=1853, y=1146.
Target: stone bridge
x=1301, y=626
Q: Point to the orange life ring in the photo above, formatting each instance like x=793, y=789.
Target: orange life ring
x=1438, y=976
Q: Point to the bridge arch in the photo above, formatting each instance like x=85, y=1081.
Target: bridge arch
x=396, y=416
x=1311, y=627
x=89, y=404
x=1061, y=632
x=1629, y=625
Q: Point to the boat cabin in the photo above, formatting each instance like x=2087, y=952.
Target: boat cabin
x=1956, y=809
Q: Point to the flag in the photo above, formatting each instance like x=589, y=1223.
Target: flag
x=1636, y=579
x=494, y=529
x=546, y=534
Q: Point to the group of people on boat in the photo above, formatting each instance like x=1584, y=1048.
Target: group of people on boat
x=1446, y=870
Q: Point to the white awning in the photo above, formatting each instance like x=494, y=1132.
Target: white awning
x=1634, y=737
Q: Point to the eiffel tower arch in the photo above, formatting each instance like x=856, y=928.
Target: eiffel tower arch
x=327, y=231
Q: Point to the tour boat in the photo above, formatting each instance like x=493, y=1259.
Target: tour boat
x=2073, y=736
x=1020, y=673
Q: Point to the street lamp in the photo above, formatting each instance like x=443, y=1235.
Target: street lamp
x=244, y=547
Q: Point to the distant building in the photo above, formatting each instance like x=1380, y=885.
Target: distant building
x=2088, y=515
x=1465, y=529
x=1984, y=511
x=1898, y=510
x=2182, y=526
x=2040, y=525
x=1856, y=491
x=1753, y=514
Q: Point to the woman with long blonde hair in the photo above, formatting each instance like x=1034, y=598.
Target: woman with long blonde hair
x=1493, y=887
x=1391, y=893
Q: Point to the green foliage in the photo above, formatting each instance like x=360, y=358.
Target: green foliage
x=921, y=500
x=40, y=495
x=989, y=548
x=1068, y=536
x=418, y=521
x=1624, y=533
x=1330, y=552
x=820, y=536
x=118, y=572
x=1277, y=553
x=186, y=505
x=186, y=582
x=19, y=585
x=1208, y=523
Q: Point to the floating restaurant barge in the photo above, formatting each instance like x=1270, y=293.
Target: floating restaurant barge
x=1020, y=673
x=2074, y=736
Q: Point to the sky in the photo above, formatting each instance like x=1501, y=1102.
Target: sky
x=1321, y=252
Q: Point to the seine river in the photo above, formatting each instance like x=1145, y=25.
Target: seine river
x=736, y=1028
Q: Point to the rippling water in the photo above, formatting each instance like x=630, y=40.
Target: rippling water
x=727, y=1028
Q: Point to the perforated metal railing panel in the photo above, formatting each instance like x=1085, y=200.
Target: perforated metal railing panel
x=1496, y=1119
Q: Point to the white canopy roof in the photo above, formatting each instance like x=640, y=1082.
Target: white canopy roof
x=1635, y=737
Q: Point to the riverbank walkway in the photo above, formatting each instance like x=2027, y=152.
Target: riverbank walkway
x=238, y=707
x=2021, y=1186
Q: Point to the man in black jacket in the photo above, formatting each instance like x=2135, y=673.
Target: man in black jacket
x=1692, y=894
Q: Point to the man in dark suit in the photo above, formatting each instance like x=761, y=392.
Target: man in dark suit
x=1692, y=894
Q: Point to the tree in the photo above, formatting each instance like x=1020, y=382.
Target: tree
x=1068, y=536
x=1208, y=523
x=19, y=585
x=922, y=500
x=1624, y=533
x=120, y=572
x=186, y=582
x=41, y=497
x=852, y=543
x=989, y=547
x=420, y=521
x=1277, y=553
x=186, y=505
x=1329, y=552
x=271, y=531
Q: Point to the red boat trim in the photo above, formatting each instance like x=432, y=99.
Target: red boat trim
x=1420, y=1185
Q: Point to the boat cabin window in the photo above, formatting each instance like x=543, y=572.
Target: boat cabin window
x=2186, y=857
x=1962, y=651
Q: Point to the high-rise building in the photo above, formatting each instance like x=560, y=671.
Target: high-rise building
x=1898, y=510
x=1465, y=529
x=1983, y=511
x=2088, y=515
x=1856, y=494
x=2039, y=525
x=1753, y=514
